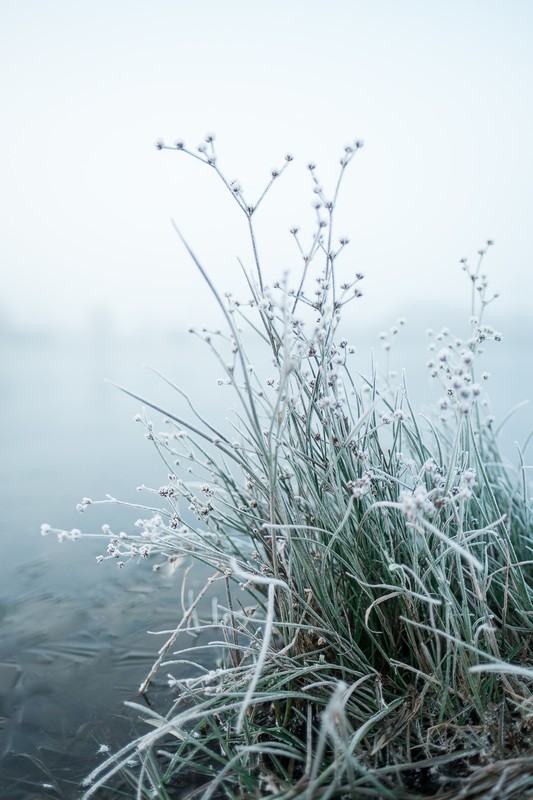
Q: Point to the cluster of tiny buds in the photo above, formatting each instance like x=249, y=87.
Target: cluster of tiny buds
x=384, y=336
x=480, y=252
x=62, y=536
x=209, y=138
x=421, y=499
x=329, y=401
x=461, y=390
x=349, y=151
x=480, y=334
x=86, y=501
x=454, y=362
x=167, y=491
x=115, y=551
x=361, y=486
x=398, y=415
x=415, y=502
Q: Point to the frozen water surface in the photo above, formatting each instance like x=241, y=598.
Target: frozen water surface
x=74, y=645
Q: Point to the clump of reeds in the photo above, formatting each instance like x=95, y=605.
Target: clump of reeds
x=382, y=648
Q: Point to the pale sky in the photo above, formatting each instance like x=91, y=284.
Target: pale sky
x=441, y=93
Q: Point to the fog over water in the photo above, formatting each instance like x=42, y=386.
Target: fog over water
x=68, y=431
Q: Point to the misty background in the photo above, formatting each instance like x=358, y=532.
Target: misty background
x=95, y=283
x=440, y=93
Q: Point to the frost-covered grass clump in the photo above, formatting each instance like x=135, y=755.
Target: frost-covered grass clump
x=382, y=647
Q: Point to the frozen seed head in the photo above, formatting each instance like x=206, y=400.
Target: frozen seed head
x=416, y=502
x=358, y=490
x=468, y=477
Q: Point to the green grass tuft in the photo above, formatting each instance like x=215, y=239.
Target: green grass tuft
x=382, y=645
